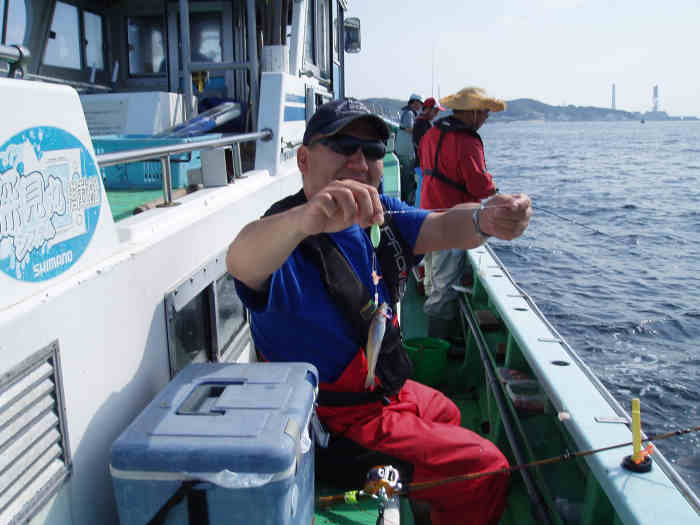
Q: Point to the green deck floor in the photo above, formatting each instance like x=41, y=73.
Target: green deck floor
x=123, y=202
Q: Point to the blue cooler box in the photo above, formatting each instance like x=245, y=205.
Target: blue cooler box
x=240, y=430
x=148, y=174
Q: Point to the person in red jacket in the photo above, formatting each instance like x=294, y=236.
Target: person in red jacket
x=454, y=171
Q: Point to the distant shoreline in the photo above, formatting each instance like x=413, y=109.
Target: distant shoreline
x=563, y=121
x=525, y=109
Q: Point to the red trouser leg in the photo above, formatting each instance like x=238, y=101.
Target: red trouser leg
x=422, y=427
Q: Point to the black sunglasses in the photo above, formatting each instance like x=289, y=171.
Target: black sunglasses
x=347, y=145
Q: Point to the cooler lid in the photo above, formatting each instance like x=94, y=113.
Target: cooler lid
x=213, y=417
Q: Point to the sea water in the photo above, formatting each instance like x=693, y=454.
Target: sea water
x=626, y=299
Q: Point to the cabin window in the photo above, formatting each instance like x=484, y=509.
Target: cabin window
x=230, y=313
x=206, y=320
x=310, y=34
x=94, y=57
x=146, y=41
x=317, y=38
x=336, y=32
x=75, y=42
x=192, y=333
x=63, y=45
x=205, y=34
x=13, y=31
x=324, y=38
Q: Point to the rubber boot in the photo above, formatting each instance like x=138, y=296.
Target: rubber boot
x=448, y=330
x=440, y=328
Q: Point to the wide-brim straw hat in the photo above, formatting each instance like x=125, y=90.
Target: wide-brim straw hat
x=472, y=98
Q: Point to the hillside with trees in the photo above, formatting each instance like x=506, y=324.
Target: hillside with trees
x=529, y=109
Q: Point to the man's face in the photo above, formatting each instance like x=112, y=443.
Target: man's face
x=320, y=165
x=416, y=105
x=474, y=119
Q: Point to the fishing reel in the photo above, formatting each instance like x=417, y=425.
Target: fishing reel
x=383, y=482
x=384, y=485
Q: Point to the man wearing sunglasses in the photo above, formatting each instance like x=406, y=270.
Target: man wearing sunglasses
x=308, y=273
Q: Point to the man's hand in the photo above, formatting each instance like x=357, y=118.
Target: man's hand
x=340, y=205
x=506, y=216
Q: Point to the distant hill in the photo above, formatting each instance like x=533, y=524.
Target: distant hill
x=387, y=107
x=529, y=109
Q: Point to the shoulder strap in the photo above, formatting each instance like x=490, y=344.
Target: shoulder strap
x=346, y=289
x=287, y=203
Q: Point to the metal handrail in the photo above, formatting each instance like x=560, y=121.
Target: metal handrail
x=10, y=54
x=136, y=155
x=163, y=154
x=16, y=57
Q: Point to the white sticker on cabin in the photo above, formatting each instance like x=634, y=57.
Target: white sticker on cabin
x=50, y=198
x=106, y=117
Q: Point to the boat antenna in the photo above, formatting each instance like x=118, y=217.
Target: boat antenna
x=412, y=487
x=432, y=84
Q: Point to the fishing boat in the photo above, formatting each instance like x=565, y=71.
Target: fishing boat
x=106, y=110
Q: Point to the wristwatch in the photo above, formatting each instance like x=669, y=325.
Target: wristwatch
x=475, y=218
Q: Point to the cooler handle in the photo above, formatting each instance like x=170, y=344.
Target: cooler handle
x=293, y=430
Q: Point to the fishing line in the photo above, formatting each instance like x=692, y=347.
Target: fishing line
x=412, y=487
x=539, y=208
x=596, y=230
x=415, y=210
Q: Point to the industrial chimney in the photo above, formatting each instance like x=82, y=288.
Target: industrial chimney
x=613, y=97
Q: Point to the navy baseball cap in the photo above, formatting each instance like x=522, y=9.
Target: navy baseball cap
x=333, y=116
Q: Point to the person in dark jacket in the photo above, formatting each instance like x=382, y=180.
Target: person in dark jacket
x=424, y=122
x=404, y=147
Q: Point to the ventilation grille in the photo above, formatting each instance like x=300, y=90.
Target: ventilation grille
x=34, y=457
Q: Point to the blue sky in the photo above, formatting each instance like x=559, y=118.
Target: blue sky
x=555, y=51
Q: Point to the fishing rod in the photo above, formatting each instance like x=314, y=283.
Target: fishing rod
x=351, y=496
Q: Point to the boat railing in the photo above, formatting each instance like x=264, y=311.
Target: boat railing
x=163, y=153
x=659, y=458
x=15, y=57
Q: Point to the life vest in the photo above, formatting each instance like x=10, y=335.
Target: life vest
x=356, y=303
x=451, y=125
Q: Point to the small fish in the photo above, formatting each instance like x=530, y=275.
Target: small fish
x=374, y=341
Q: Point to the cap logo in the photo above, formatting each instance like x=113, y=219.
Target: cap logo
x=353, y=105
